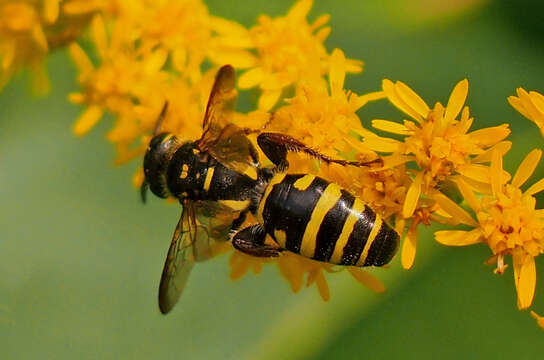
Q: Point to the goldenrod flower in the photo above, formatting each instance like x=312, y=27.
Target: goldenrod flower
x=324, y=115
x=508, y=222
x=285, y=50
x=531, y=105
x=29, y=29
x=442, y=149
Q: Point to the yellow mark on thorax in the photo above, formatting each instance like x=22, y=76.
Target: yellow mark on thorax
x=184, y=171
x=208, y=180
x=236, y=205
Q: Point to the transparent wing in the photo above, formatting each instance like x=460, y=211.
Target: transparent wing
x=226, y=142
x=201, y=233
x=217, y=218
x=179, y=261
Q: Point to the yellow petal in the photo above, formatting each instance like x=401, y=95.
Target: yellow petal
x=360, y=101
x=537, y=100
x=228, y=27
x=468, y=194
x=457, y=100
x=390, y=91
x=454, y=210
x=251, y=78
x=390, y=126
x=525, y=276
x=412, y=99
x=478, y=186
x=320, y=21
x=482, y=173
x=300, y=9
x=396, y=160
x=535, y=188
x=539, y=319
x=528, y=105
x=354, y=66
x=527, y=167
x=179, y=59
x=518, y=105
x=268, y=99
x=322, y=34
x=80, y=58
x=409, y=247
x=412, y=196
x=40, y=80
x=458, y=237
x=491, y=135
x=503, y=147
x=88, y=119
x=290, y=269
x=98, y=31
x=496, y=171
x=365, y=278
x=322, y=286
x=76, y=98
x=381, y=144
x=337, y=71
x=51, y=10
x=39, y=36
x=155, y=61
x=239, y=266
x=240, y=59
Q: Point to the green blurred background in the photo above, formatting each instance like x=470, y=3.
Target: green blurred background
x=80, y=257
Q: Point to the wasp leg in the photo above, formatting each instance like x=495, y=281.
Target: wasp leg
x=239, y=221
x=275, y=146
x=251, y=241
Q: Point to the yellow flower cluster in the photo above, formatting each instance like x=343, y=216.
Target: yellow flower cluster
x=150, y=52
x=30, y=29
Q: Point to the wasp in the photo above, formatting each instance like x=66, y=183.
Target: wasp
x=218, y=180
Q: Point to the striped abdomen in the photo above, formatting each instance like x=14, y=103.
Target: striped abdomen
x=318, y=219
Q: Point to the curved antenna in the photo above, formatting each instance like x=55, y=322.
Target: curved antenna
x=162, y=115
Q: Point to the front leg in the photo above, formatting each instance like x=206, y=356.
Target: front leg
x=251, y=241
x=275, y=146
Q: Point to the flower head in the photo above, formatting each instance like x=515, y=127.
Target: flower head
x=531, y=105
x=28, y=31
x=285, y=50
x=438, y=142
x=508, y=222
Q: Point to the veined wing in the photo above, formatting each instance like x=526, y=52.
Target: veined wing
x=225, y=141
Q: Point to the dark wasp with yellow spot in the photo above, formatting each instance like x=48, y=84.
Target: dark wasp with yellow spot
x=218, y=180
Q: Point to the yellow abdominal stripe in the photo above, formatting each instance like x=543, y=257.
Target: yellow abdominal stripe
x=354, y=214
x=371, y=237
x=278, y=178
x=304, y=182
x=327, y=200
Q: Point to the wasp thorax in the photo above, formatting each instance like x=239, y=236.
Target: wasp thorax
x=156, y=160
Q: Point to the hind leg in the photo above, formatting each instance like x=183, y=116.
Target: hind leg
x=251, y=241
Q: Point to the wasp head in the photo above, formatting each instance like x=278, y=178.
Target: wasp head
x=156, y=160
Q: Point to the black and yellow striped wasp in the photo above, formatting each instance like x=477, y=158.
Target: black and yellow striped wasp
x=218, y=180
